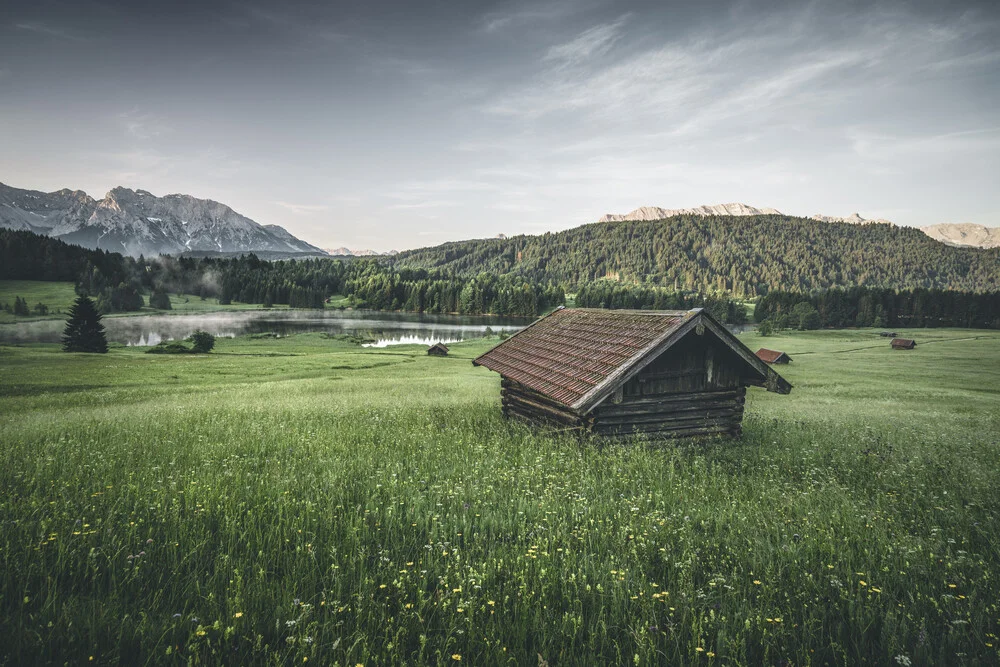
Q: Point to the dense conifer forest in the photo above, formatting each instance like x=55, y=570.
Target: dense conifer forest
x=117, y=283
x=745, y=256
x=867, y=307
x=849, y=275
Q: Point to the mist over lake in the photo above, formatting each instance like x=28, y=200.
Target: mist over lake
x=381, y=327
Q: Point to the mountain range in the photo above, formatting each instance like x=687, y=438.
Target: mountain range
x=136, y=222
x=956, y=234
x=964, y=234
x=347, y=252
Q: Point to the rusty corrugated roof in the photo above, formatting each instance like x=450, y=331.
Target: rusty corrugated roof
x=768, y=356
x=570, y=352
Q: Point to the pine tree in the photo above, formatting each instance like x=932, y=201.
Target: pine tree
x=84, y=331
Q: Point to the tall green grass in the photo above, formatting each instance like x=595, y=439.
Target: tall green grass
x=294, y=500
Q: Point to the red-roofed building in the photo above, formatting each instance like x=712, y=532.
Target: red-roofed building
x=903, y=344
x=772, y=356
x=666, y=373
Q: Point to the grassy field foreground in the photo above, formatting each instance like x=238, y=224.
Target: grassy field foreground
x=304, y=500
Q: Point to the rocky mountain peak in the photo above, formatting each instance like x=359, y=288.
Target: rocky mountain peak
x=138, y=222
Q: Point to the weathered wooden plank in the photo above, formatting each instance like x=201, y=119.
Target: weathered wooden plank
x=676, y=433
x=660, y=424
x=731, y=414
x=537, y=416
x=669, y=375
x=695, y=395
x=528, y=407
x=670, y=399
x=509, y=385
x=625, y=411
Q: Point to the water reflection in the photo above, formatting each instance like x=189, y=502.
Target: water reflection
x=379, y=328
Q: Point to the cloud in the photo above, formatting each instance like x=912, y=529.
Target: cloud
x=48, y=30
x=142, y=125
x=437, y=203
x=145, y=165
x=315, y=28
x=887, y=147
x=302, y=209
x=736, y=73
x=518, y=14
x=595, y=41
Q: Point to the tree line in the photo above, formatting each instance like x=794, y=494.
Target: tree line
x=537, y=277
x=870, y=307
x=118, y=283
x=615, y=295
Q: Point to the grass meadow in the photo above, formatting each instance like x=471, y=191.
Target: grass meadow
x=304, y=500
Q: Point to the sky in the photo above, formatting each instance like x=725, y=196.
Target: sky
x=392, y=125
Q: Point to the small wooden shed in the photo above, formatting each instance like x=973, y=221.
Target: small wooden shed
x=772, y=356
x=616, y=372
x=903, y=344
x=438, y=350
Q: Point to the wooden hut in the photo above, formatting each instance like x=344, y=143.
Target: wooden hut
x=772, y=356
x=615, y=372
x=903, y=344
x=438, y=350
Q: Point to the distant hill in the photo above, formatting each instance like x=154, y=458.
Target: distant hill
x=747, y=255
x=964, y=234
x=135, y=222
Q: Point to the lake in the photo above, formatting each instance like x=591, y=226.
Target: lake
x=381, y=327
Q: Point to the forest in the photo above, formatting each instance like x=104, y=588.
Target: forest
x=744, y=256
x=118, y=283
x=867, y=307
x=615, y=295
x=911, y=281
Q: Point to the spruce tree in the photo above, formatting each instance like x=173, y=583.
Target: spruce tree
x=84, y=331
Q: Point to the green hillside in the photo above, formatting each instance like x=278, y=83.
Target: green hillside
x=748, y=256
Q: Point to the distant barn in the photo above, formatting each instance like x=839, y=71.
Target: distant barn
x=903, y=344
x=888, y=334
x=438, y=350
x=772, y=356
x=615, y=372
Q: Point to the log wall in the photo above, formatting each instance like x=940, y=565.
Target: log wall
x=524, y=403
x=674, y=415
